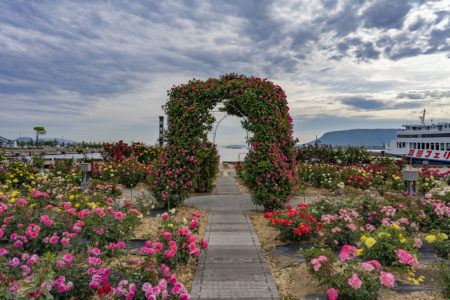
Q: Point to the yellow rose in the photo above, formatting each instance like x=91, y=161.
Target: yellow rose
x=430, y=238
x=402, y=240
x=359, y=252
x=442, y=236
x=77, y=204
x=363, y=238
x=370, y=242
x=71, y=197
x=396, y=226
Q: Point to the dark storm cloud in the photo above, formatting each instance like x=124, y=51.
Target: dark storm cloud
x=424, y=95
x=386, y=14
x=362, y=103
x=367, y=52
x=417, y=25
x=360, y=50
x=343, y=21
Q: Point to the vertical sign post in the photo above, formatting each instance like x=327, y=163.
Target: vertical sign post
x=161, y=130
x=85, y=168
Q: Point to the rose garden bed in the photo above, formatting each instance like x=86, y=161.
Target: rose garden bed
x=58, y=240
x=294, y=275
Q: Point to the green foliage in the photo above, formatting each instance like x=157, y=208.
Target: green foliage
x=263, y=107
x=2, y=158
x=38, y=161
x=131, y=172
x=443, y=266
x=440, y=242
x=208, y=164
x=336, y=155
x=313, y=252
x=381, y=245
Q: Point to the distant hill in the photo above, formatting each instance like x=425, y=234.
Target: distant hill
x=358, y=137
x=24, y=139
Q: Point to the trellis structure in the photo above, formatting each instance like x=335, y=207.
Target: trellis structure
x=189, y=161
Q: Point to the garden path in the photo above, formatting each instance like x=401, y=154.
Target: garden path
x=234, y=266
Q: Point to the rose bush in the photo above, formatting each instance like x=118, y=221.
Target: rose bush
x=263, y=107
x=347, y=278
x=295, y=224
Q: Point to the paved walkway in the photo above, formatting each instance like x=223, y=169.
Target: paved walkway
x=234, y=266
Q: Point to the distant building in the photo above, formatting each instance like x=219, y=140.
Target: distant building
x=4, y=142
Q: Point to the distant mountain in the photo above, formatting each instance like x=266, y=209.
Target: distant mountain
x=24, y=139
x=358, y=137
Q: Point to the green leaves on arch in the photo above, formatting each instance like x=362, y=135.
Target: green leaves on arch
x=187, y=160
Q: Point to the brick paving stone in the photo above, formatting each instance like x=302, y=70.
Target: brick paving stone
x=234, y=266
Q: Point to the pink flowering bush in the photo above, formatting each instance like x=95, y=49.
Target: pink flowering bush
x=45, y=223
x=437, y=212
x=347, y=279
x=145, y=276
x=175, y=244
x=383, y=244
x=341, y=228
x=394, y=209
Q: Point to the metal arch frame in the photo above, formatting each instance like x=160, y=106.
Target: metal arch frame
x=218, y=123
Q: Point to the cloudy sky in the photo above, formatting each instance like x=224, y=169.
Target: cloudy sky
x=99, y=70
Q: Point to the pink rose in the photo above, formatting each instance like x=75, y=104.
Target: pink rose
x=367, y=266
x=417, y=242
x=332, y=294
x=347, y=252
x=54, y=239
x=193, y=224
x=387, y=279
x=14, y=262
x=354, y=281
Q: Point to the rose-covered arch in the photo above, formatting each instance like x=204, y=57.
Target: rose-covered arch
x=189, y=161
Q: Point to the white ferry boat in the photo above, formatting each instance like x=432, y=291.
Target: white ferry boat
x=423, y=142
